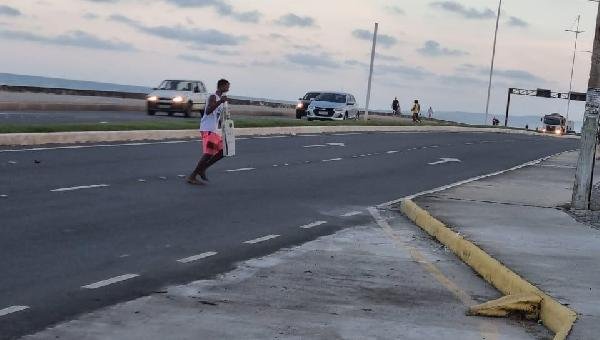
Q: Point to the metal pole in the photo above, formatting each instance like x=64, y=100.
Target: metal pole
x=487, y=105
x=371, y=71
x=577, y=32
x=507, y=107
x=589, y=133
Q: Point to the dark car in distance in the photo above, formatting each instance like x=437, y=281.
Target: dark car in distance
x=304, y=102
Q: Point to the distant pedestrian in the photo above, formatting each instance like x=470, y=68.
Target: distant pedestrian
x=430, y=113
x=495, y=121
x=526, y=126
x=396, y=107
x=212, y=142
x=416, y=110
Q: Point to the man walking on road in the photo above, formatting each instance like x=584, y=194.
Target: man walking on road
x=430, y=112
x=212, y=142
x=416, y=110
x=396, y=107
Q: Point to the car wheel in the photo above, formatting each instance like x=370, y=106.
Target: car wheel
x=188, y=110
x=151, y=112
x=170, y=113
x=310, y=119
x=298, y=116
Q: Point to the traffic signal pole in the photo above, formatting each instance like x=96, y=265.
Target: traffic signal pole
x=589, y=133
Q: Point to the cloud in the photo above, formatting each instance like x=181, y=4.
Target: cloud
x=516, y=22
x=9, y=11
x=379, y=56
x=90, y=16
x=463, y=81
x=465, y=12
x=515, y=75
x=395, y=10
x=104, y=1
x=404, y=71
x=520, y=75
x=353, y=62
x=199, y=37
x=196, y=59
x=383, y=39
x=222, y=7
x=71, y=38
x=310, y=60
x=293, y=20
x=434, y=49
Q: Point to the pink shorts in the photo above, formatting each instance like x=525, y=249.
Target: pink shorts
x=212, y=143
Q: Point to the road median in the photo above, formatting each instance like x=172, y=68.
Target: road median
x=154, y=135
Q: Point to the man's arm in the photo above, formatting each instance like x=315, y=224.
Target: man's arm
x=213, y=104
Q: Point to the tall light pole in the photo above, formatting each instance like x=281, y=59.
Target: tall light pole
x=487, y=105
x=577, y=33
x=582, y=189
x=371, y=71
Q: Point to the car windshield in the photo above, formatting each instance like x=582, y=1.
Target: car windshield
x=332, y=97
x=175, y=85
x=311, y=95
x=552, y=121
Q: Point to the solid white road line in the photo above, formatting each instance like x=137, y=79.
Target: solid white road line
x=313, y=225
x=347, y=134
x=110, y=281
x=97, y=146
x=81, y=187
x=262, y=239
x=270, y=137
x=241, y=169
x=332, y=160
x=197, y=257
x=352, y=213
x=12, y=309
x=473, y=179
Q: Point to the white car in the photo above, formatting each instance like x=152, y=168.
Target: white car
x=333, y=106
x=185, y=96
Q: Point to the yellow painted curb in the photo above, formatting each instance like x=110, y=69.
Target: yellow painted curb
x=558, y=318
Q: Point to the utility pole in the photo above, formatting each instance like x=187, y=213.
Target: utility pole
x=577, y=33
x=371, y=71
x=584, y=174
x=487, y=105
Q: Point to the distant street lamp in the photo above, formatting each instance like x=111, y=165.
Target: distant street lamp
x=577, y=33
x=487, y=106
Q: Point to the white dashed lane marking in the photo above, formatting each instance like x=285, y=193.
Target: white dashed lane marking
x=12, y=309
x=352, y=213
x=241, y=170
x=332, y=160
x=110, y=281
x=82, y=187
x=262, y=239
x=313, y=225
x=391, y=152
x=197, y=257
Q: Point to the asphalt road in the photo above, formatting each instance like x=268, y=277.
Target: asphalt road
x=75, y=220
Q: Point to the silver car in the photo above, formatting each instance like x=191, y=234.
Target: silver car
x=333, y=106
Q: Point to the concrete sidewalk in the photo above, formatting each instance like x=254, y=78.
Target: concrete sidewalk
x=517, y=218
x=365, y=282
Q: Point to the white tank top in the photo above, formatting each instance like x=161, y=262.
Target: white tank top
x=210, y=122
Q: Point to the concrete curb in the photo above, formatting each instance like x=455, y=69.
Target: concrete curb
x=555, y=316
x=129, y=136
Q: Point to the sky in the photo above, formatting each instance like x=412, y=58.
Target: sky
x=436, y=51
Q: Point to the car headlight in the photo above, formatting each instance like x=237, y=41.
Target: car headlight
x=558, y=131
x=178, y=99
x=300, y=105
x=152, y=98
